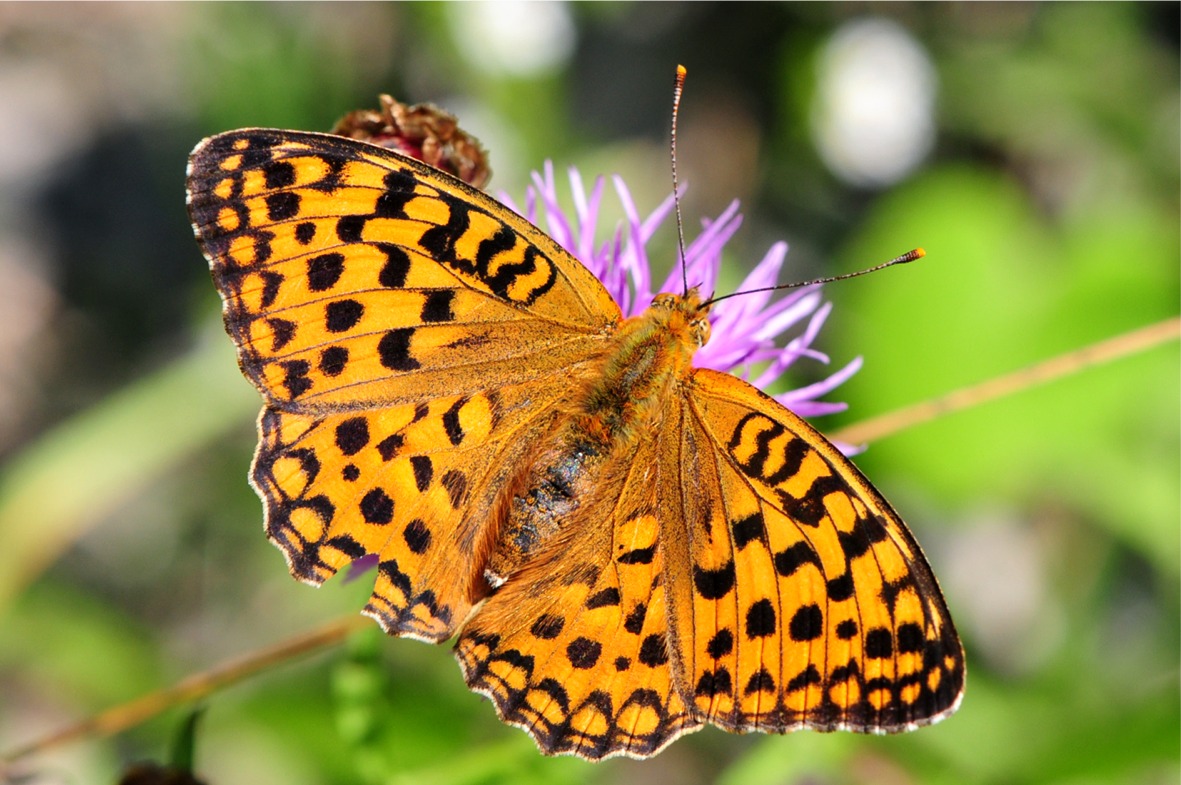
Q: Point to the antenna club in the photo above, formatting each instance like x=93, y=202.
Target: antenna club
x=681, y=72
x=909, y=256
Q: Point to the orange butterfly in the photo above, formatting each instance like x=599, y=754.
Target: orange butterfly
x=628, y=546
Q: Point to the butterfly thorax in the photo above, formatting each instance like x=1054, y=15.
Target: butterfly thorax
x=651, y=353
x=620, y=406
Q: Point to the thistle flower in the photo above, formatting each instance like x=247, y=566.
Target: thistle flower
x=743, y=330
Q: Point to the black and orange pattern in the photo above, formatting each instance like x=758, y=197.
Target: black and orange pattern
x=631, y=546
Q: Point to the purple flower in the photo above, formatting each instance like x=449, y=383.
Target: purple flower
x=744, y=330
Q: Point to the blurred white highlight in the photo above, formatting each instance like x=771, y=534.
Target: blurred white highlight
x=514, y=37
x=873, y=115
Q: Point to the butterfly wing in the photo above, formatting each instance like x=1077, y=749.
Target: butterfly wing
x=797, y=596
x=409, y=335
x=351, y=274
x=574, y=648
x=413, y=484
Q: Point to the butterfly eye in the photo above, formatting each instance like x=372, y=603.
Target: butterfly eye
x=700, y=330
x=663, y=301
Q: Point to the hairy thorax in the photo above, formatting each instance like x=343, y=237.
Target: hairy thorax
x=614, y=413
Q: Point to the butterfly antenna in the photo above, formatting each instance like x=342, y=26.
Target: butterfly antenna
x=678, y=88
x=909, y=256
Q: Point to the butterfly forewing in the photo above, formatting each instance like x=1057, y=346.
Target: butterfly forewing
x=350, y=274
x=804, y=601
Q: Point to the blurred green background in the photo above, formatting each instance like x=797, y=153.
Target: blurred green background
x=1031, y=149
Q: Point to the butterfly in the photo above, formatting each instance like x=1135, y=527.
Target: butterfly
x=628, y=547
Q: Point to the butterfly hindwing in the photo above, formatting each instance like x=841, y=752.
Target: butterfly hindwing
x=801, y=599
x=411, y=484
x=574, y=648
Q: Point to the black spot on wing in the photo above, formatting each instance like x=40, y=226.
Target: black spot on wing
x=634, y=622
x=810, y=509
x=271, y=281
x=605, y=598
x=305, y=232
x=282, y=331
x=721, y=644
x=653, y=651
x=748, y=529
x=806, y=624
x=451, y=423
x=716, y=682
x=807, y=677
x=455, y=483
x=840, y=588
x=333, y=360
x=437, y=307
x=389, y=446
x=866, y=532
x=342, y=315
x=349, y=228
x=295, y=377
x=879, y=644
x=760, y=619
x=795, y=556
x=910, y=638
x=394, y=350
x=417, y=536
x=324, y=271
x=846, y=629
x=638, y=556
x=396, y=267
x=714, y=584
x=377, y=507
x=352, y=435
x=399, y=190
x=760, y=681
x=282, y=206
x=547, y=627
x=583, y=653
x=423, y=471
x=279, y=174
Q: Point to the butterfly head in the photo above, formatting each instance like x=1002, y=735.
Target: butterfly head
x=685, y=316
